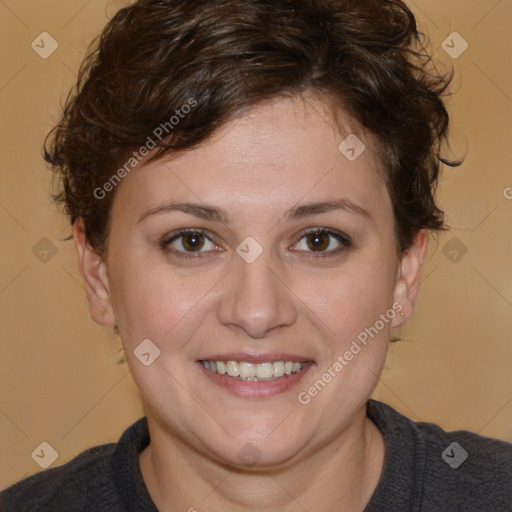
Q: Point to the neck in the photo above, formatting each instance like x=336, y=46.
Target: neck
x=341, y=475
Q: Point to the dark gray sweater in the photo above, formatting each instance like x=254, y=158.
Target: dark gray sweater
x=425, y=469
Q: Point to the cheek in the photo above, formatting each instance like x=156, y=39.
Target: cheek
x=355, y=342
x=350, y=300
x=151, y=301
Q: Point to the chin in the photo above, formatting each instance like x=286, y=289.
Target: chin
x=258, y=456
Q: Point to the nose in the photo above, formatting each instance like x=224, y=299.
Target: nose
x=256, y=298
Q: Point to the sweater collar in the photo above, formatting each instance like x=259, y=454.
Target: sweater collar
x=399, y=487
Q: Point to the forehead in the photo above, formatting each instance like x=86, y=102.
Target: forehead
x=276, y=155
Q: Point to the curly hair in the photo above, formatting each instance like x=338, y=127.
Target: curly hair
x=156, y=56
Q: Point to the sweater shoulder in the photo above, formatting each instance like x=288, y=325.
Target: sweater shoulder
x=428, y=468
x=474, y=469
x=65, y=487
x=485, y=454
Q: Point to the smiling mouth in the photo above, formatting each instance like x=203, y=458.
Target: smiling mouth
x=266, y=371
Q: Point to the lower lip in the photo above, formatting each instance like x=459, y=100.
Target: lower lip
x=256, y=389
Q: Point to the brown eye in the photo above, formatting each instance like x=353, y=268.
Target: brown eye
x=325, y=242
x=318, y=241
x=192, y=241
x=188, y=242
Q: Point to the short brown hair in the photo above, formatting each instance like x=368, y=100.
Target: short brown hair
x=155, y=56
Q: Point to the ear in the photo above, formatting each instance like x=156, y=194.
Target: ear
x=94, y=275
x=408, y=277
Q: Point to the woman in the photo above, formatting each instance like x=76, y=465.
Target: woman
x=251, y=187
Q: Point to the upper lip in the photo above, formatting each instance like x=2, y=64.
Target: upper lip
x=256, y=358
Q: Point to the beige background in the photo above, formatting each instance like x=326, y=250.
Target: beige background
x=60, y=381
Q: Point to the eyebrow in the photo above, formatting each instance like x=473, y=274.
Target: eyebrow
x=213, y=213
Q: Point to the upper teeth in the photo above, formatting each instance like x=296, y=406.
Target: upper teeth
x=250, y=371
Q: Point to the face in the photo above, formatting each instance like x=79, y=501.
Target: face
x=288, y=256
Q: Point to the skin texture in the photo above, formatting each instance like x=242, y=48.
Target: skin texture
x=326, y=455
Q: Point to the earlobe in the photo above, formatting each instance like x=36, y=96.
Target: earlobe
x=94, y=276
x=409, y=277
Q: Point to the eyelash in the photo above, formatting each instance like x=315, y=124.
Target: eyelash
x=340, y=237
